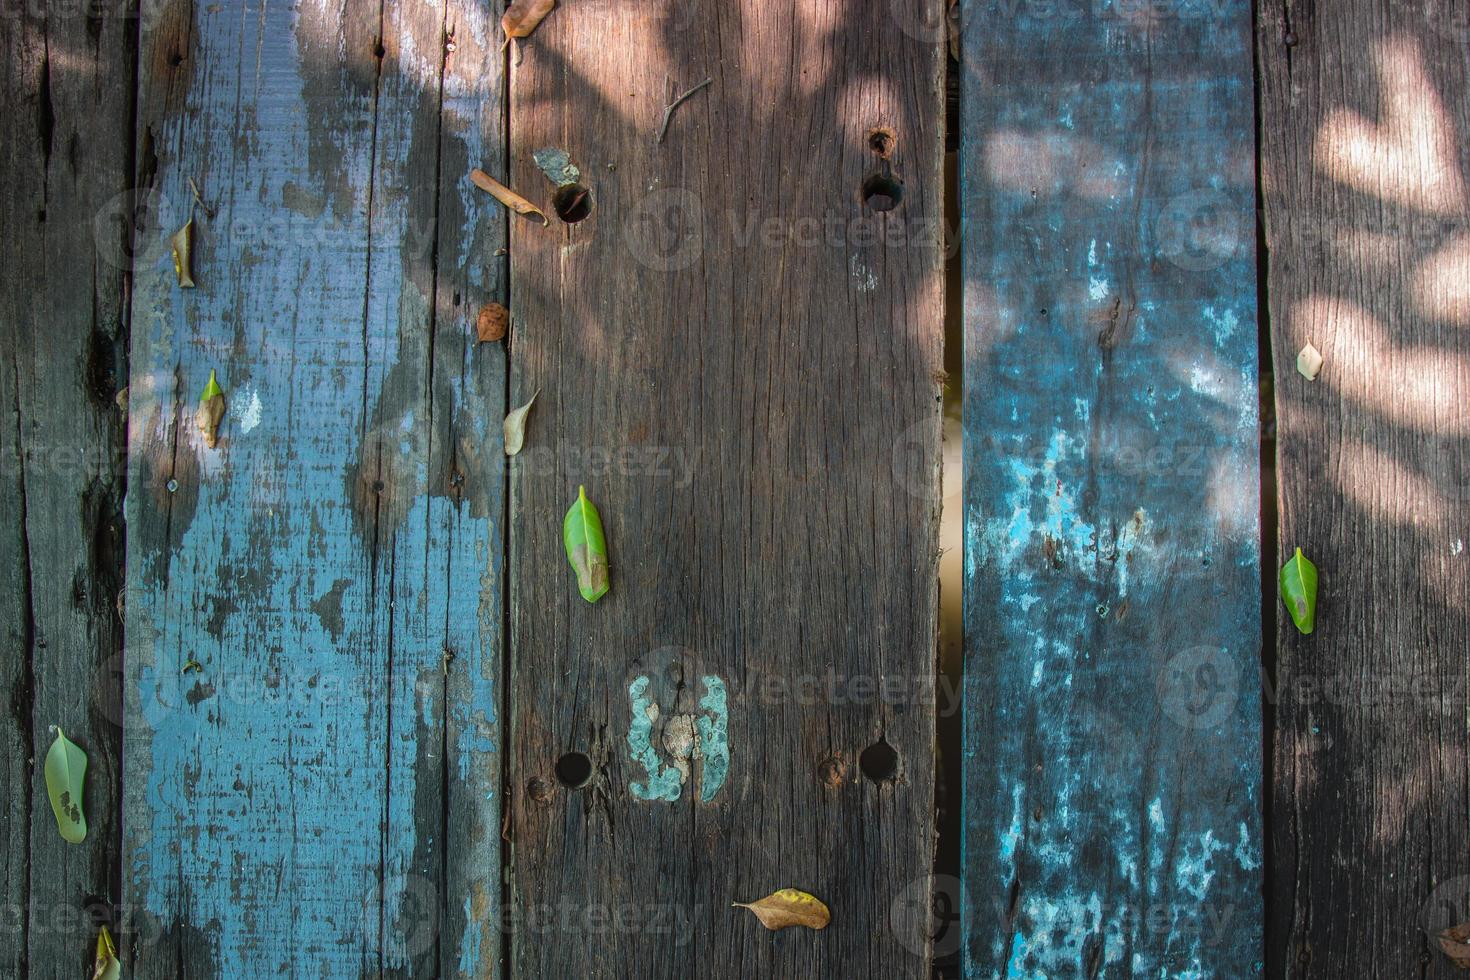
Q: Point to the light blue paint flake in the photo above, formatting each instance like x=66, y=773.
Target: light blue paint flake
x=664, y=782
x=714, y=738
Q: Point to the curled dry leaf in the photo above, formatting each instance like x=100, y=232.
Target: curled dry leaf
x=211, y=411
x=506, y=196
x=490, y=325
x=183, y=247
x=789, y=907
x=66, y=766
x=1309, y=362
x=1454, y=942
x=107, y=966
x=523, y=16
x=586, y=547
x=515, y=426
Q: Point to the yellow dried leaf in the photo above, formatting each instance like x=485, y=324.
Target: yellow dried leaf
x=183, y=247
x=506, y=196
x=1453, y=943
x=789, y=907
x=522, y=17
x=107, y=966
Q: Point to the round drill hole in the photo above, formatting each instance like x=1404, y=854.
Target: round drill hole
x=882, y=193
x=881, y=141
x=879, y=762
x=572, y=203
x=574, y=770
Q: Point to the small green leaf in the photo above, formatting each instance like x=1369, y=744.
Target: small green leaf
x=107, y=966
x=1299, y=591
x=65, y=766
x=586, y=547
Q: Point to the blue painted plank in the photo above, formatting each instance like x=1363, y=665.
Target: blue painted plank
x=332, y=565
x=1112, y=737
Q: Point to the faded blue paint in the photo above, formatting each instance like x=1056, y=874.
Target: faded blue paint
x=662, y=782
x=260, y=814
x=685, y=739
x=1111, y=492
x=714, y=738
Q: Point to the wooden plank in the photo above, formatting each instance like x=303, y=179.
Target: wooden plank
x=66, y=104
x=1364, y=116
x=1112, y=748
x=331, y=565
x=738, y=359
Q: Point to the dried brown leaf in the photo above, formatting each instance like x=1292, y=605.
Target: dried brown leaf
x=506, y=196
x=1455, y=943
x=515, y=426
x=490, y=325
x=789, y=907
x=523, y=16
x=211, y=411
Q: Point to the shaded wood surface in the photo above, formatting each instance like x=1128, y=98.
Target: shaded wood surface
x=1365, y=108
x=319, y=797
x=66, y=104
x=738, y=359
x=1113, y=759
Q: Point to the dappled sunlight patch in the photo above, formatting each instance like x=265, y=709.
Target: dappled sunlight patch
x=1419, y=387
x=1409, y=156
x=1441, y=286
x=1053, y=163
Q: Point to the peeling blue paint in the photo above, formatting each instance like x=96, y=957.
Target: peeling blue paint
x=662, y=782
x=714, y=738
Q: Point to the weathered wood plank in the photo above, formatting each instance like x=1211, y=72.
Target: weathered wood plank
x=331, y=566
x=1112, y=499
x=737, y=358
x=1364, y=109
x=65, y=111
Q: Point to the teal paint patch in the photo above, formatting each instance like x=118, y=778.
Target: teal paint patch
x=664, y=782
x=682, y=739
x=714, y=738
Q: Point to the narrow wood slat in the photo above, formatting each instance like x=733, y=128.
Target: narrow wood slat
x=1365, y=165
x=738, y=360
x=332, y=565
x=66, y=103
x=1112, y=751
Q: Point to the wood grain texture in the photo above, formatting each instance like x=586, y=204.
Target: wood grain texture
x=737, y=358
x=1364, y=167
x=65, y=110
x=321, y=796
x=1112, y=492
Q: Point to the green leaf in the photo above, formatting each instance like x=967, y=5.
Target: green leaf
x=107, y=966
x=65, y=766
x=1299, y=591
x=183, y=247
x=586, y=547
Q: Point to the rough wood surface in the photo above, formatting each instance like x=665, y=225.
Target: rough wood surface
x=738, y=359
x=320, y=795
x=1112, y=500
x=1365, y=109
x=66, y=104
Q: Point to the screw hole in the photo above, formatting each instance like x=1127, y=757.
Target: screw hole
x=882, y=192
x=572, y=203
x=574, y=770
x=879, y=762
x=881, y=141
